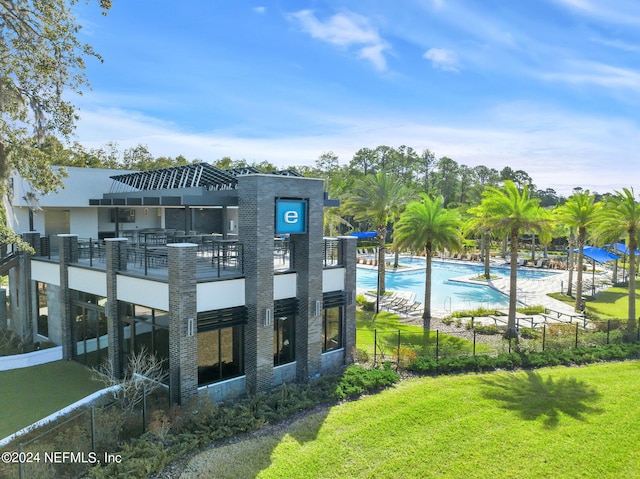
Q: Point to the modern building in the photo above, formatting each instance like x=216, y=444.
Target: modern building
x=224, y=274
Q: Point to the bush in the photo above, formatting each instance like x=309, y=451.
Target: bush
x=365, y=304
x=567, y=357
x=202, y=422
x=356, y=380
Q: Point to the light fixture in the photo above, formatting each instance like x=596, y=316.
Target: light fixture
x=267, y=317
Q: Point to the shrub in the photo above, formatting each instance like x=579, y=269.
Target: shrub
x=521, y=359
x=364, y=303
x=202, y=422
x=356, y=380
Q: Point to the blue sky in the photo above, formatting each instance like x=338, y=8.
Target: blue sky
x=548, y=86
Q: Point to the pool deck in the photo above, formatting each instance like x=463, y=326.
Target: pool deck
x=529, y=292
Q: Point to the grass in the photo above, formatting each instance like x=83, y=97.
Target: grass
x=387, y=326
x=553, y=422
x=30, y=394
x=611, y=303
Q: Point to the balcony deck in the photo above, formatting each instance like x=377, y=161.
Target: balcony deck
x=224, y=260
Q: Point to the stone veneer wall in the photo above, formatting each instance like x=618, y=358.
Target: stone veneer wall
x=68, y=255
x=183, y=339
x=116, y=260
x=256, y=205
x=348, y=260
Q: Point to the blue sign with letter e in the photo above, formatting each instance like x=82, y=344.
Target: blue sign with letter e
x=291, y=216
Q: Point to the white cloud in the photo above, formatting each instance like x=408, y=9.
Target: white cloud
x=558, y=149
x=623, y=12
x=443, y=59
x=346, y=30
x=260, y=10
x=600, y=74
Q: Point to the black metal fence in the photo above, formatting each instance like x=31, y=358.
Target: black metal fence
x=401, y=347
x=87, y=437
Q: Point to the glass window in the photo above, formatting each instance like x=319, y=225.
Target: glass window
x=43, y=310
x=284, y=339
x=220, y=354
x=145, y=328
x=90, y=335
x=331, y=329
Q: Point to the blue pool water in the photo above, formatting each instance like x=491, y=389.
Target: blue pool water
x=445, y=294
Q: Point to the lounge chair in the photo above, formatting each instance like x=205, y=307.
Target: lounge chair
x=412, y=308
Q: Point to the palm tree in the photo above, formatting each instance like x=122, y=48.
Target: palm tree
x=479, y=222
x=427, y=224
x=374, y=199
x=509, y=210
x=579, y=213
x=620, y=218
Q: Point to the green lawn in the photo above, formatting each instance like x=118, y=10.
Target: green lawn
x=562, y=422
x=384, y=328
x=612, y=303
x=30, y=394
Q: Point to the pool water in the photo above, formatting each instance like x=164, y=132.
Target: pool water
x=445, y=294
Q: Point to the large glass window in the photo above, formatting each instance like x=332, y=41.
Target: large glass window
x=43, y=310
x=220, y=353
x=144, y=328
x=331, y=329
x=89, y=329
x=284, y=339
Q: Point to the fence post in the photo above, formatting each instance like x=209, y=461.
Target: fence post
x=93, y=428
x=21, y=463
x=398, y=360
x=608, y=329
x=437, y=344
x=144, y=408
x=509, y=343
x=576, y=335
x=544, y=335
x=474, y=343
x=375, y=345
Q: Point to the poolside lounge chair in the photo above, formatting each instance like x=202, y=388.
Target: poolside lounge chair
x=415, y=307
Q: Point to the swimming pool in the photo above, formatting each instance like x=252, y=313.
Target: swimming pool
x=445, y=294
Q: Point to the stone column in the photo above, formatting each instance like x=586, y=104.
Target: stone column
x=347, y=251
x=308, y=250
x=256, y=229
x=33, y=238
x=68, y=254
x=116, y=260
x=183, y=339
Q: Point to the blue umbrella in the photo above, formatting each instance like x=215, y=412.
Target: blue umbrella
x=600, y=255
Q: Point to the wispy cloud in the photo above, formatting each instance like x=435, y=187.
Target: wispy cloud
x=443, y=59
x=624, y=12
x=599, y=74
x=260, y=10
x=559, y=149
x=346, y=30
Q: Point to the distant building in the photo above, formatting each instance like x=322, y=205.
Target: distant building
x=225, y=274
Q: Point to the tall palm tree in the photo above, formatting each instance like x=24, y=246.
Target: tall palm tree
x=508, y=209
x=620, y=218
x=428, y=225
x=579, y=213
x=375, y=199
x=479, y=222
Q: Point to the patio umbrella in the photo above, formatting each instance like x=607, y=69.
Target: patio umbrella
x=623, y=249
x=599, y=255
